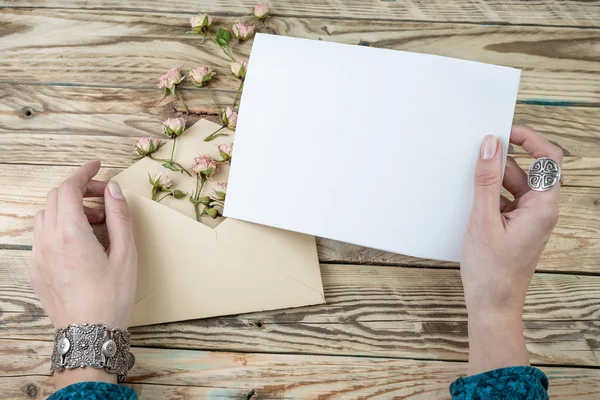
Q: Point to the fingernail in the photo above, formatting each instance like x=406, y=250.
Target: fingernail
x=115, y=190
x=489, y=147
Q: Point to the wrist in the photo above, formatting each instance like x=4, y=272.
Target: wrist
x=496, y=341
x=70, y=376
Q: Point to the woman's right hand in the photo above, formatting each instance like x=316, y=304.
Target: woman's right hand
x=502, y=247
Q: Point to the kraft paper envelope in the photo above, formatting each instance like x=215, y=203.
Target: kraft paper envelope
x=189, y=270
x=387, y=157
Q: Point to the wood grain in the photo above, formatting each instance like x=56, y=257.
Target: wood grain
x=34, y=115
x=283, y=376
x=561, y=12
x=370, y=311
x=41, y=387
x=131, y=49
x=574, y=246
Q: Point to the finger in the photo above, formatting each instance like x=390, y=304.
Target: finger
x=51, y=209
x=70, y=193
x=488, y=179
x=538, y=147
x=94, y=188
x=94, y=216
x=504, y=202
x=118, y=222
x=515, y=179
x=535, y=145
x=38, y=226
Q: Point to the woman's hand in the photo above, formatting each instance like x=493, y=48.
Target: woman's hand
x=76, y=279
x=502, y=247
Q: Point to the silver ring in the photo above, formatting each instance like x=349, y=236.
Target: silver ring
x=544, y=174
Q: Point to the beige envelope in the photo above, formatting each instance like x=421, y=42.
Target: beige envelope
x=189, y=270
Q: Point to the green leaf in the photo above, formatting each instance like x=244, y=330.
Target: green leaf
x=179, y=194
x=154, y=193
x=223, y=37
x=172, y=90
x=170, y=166
x=204, y=200
x=211, y=212
x=220, y=195
x=150, y=179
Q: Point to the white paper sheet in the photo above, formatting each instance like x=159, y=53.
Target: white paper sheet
x=367, y=146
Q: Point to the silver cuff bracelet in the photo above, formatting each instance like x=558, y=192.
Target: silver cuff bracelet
x=93, y=346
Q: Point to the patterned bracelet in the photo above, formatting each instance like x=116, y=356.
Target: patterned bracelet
x=93, y=346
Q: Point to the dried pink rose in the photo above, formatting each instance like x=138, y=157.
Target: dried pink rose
x=222, y=186
x=170, y=79
x=204, y=165
x=173, y=127
x=161, y=181
x=225, y=150
x=200, y=23
x=146, y=146
x=239, y=68
x=201, y=75
x=229, y=118
x=242, y=31
x=261, y=11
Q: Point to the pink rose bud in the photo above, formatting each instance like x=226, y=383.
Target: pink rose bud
x=173, y=127
x=239, y=68
x=201, y=75
x=242, y=31
x=169, y=79
x=261, y=11
x=146, y=146
x=225, y=150
x=161, y=181
x=204, y=165
x=229, y=118
x=200, y=23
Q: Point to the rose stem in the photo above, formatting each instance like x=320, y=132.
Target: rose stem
x=181, y=99
x=237, y=95
x=213, y=135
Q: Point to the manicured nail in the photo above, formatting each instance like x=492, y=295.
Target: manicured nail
x=115, y=190
x=489, y=147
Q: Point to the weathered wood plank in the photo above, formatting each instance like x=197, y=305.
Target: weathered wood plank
x=370, y=311
x=557, y=12
x=41, y=387
x=574, y=245
x=285, y=376
x=34, y=110
x=130, y=49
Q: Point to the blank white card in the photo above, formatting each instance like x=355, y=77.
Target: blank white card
x=367, y=146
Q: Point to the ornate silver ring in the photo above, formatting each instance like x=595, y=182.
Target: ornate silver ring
x=544, y=174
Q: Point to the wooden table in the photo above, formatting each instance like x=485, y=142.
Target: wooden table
x=78, y=82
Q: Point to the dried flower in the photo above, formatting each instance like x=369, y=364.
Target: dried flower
x=229, y=118
x=200, y=23
x=146, y=146
x=169, y=80
x=201, y=75
x=242, y=31
x=173, y=127
x=161, y=181
x=261, y=11
x=239, y=68
x=225, y=150
x=204, y=165
x=222, y=186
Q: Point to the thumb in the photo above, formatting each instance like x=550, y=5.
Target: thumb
x=118, y=222
x=488, y=178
